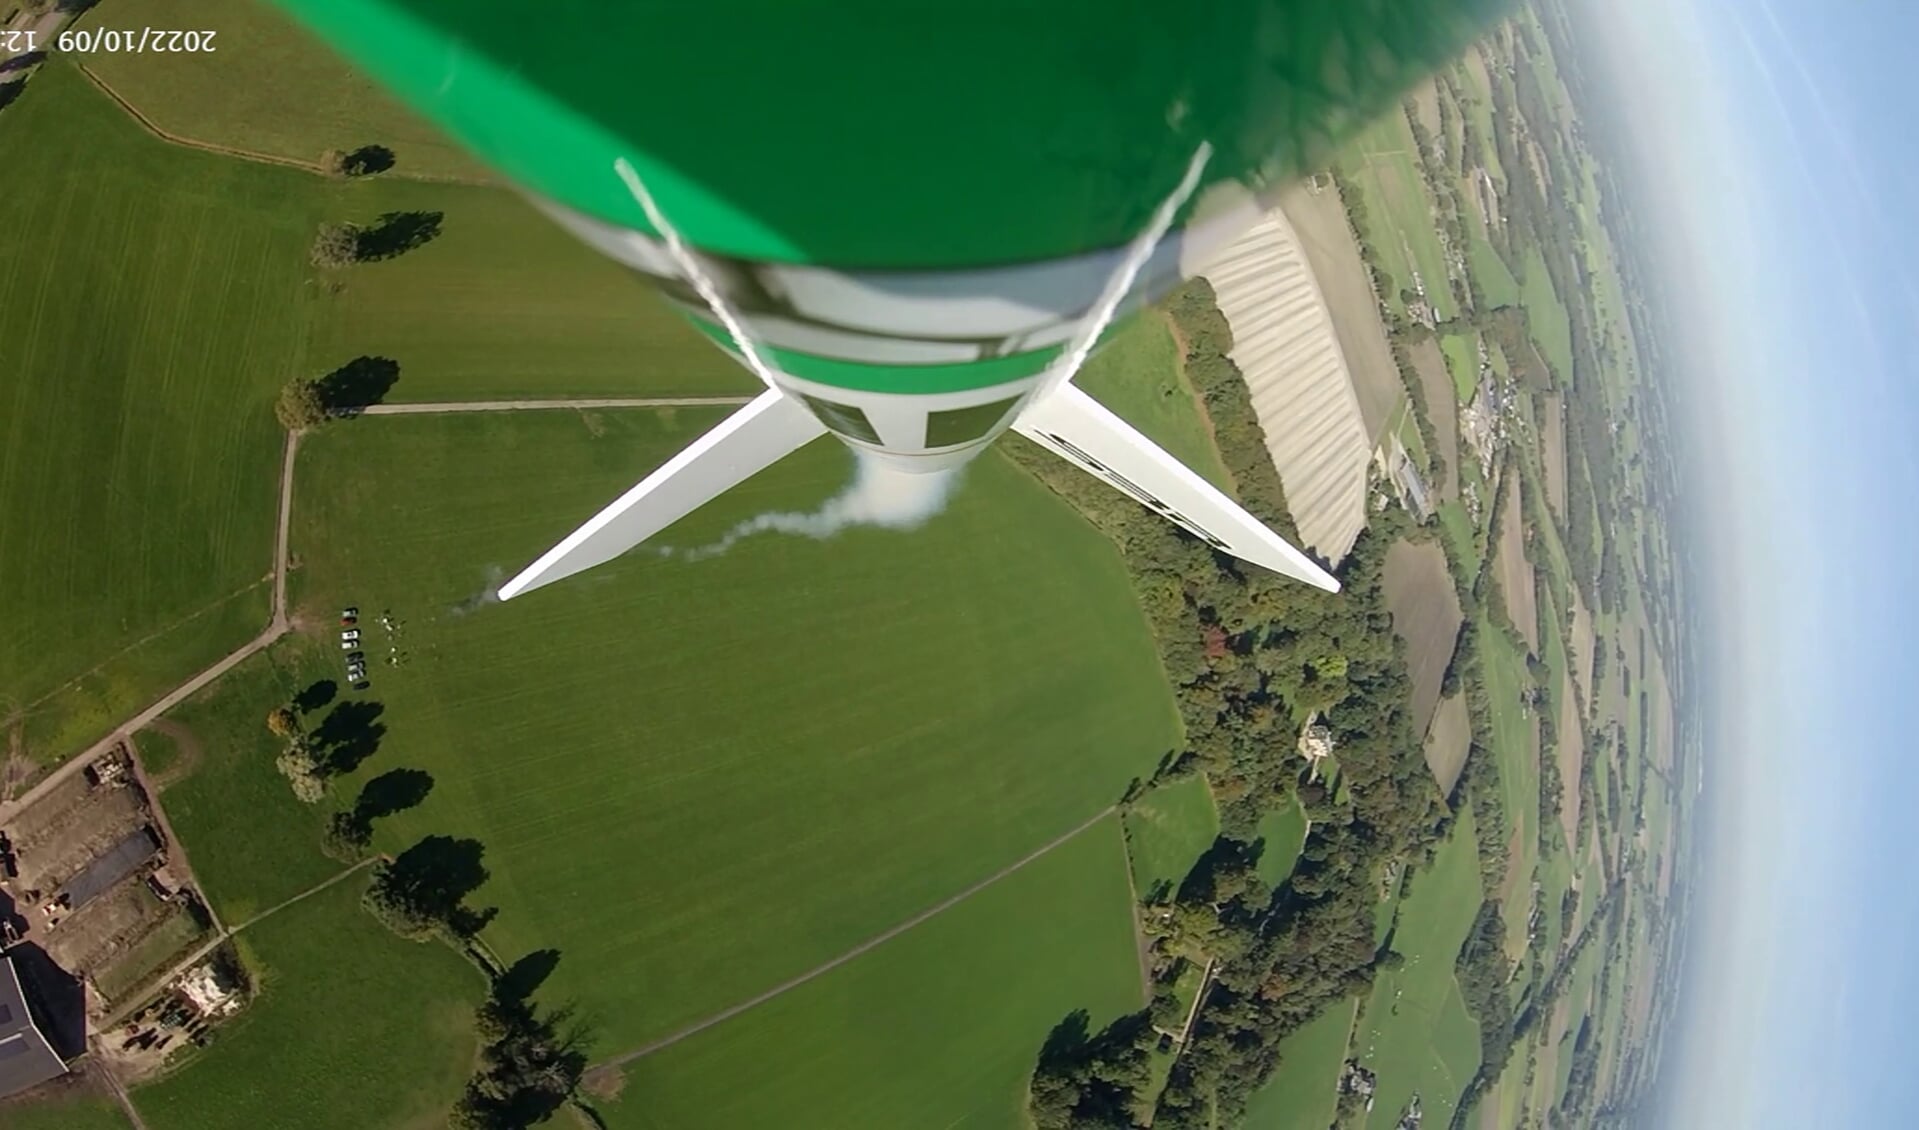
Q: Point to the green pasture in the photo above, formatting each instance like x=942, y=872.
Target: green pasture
x=1546, y=315
x=696, y=778
x=939, y=1026
x=1416, y=1034
x=1497, y=287
x=1515, y=751
x=504, y=303
x=1284, y=831
x=252, y=843
x=1385, y=166
x=152, y=300
x=1139, y=374
x=1304, y=1090
x=79, y=1110
x=266, y=87
x=353, y=1026
x=1462, y=362
x=1168, y=829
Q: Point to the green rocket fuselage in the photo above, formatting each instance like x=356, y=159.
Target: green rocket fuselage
x=909, y=210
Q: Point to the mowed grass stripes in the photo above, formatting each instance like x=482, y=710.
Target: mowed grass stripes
x=152, y=300
x=938, y=1027
x=699, y=778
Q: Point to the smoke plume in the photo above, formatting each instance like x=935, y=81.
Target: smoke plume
x=880, y=495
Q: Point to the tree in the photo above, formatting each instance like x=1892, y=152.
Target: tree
x=423, y=890
x=299, y=406
x=347, y=836
x=301, y=768
x=336, y=245
x=283, y=722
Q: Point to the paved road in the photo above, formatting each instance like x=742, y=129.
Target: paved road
x=535, y=405
x=842, y=959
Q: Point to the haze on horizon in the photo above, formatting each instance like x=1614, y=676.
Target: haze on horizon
x=1774, y=137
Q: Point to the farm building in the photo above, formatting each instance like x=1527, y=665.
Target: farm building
x=26, y=1058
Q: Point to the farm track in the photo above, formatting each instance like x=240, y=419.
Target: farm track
x=253, y=155
x=873, y=942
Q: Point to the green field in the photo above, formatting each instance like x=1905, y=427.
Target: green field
x=1303, y=1092
x=80, y=1110
x=1546, y=315
x=937, y=1027
x=1284, y=831
x=300, y=98
x=137, y=446
x=1399, y=209
x=1138, y=374
x=1462, y=362
x=672, y=763
x=310, y=1050
x=170, y=941
x=251, y=842
x=1168, y=829
x=1515, y=751
x=505, y=303
x=1416, y=1034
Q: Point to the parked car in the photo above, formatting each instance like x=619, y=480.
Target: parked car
x=349, y=617
x=355, y=657
x=348, y=645
x=351, y=635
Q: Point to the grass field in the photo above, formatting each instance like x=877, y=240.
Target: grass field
x=1285, y=834
x=1448, y=740
x=170, y=941
x=937, y=1027
x=1138, y=374
x=1386, y=168
x=1168, y=829
x=251, y=842
x=1515, y=750
x=74, y=1109
x=1303, y=1092
x=307, y=1052
x=1462, y=363
x=1546, y=315
x=301, y=98
x=697, y=778
x=137, y=446
x=504, y=303
x=1416, y=1034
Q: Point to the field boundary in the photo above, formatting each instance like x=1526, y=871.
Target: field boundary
x=871, y=943
x=254, y=155
x=427, y=408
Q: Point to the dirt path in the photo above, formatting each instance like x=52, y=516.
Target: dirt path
x=237, y=153
x=275, y=628
x=537, y=405
x=876, y=940
x=119, y=1090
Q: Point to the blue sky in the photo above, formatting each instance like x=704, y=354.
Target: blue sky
x=1786, y=133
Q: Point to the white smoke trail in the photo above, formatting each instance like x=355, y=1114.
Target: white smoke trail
x=880, y=495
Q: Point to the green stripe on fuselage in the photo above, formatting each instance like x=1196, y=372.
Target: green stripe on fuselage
x=961, y=376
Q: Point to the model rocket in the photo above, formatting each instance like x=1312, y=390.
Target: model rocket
x=912, y=221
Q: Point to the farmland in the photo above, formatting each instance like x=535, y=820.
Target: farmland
x=504, y=303
x=581, y=727
x=1137, y=374
x=73, y=1109
x=137, y=505
x=1167, y=829
x=1426, y=615
x=300, y=100
x=885, y=1044
x=1302, y=1092
x=305, y=1054
x=1416, y=1035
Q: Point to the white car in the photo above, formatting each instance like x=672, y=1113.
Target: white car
x=351, y=635
x=349, y=645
